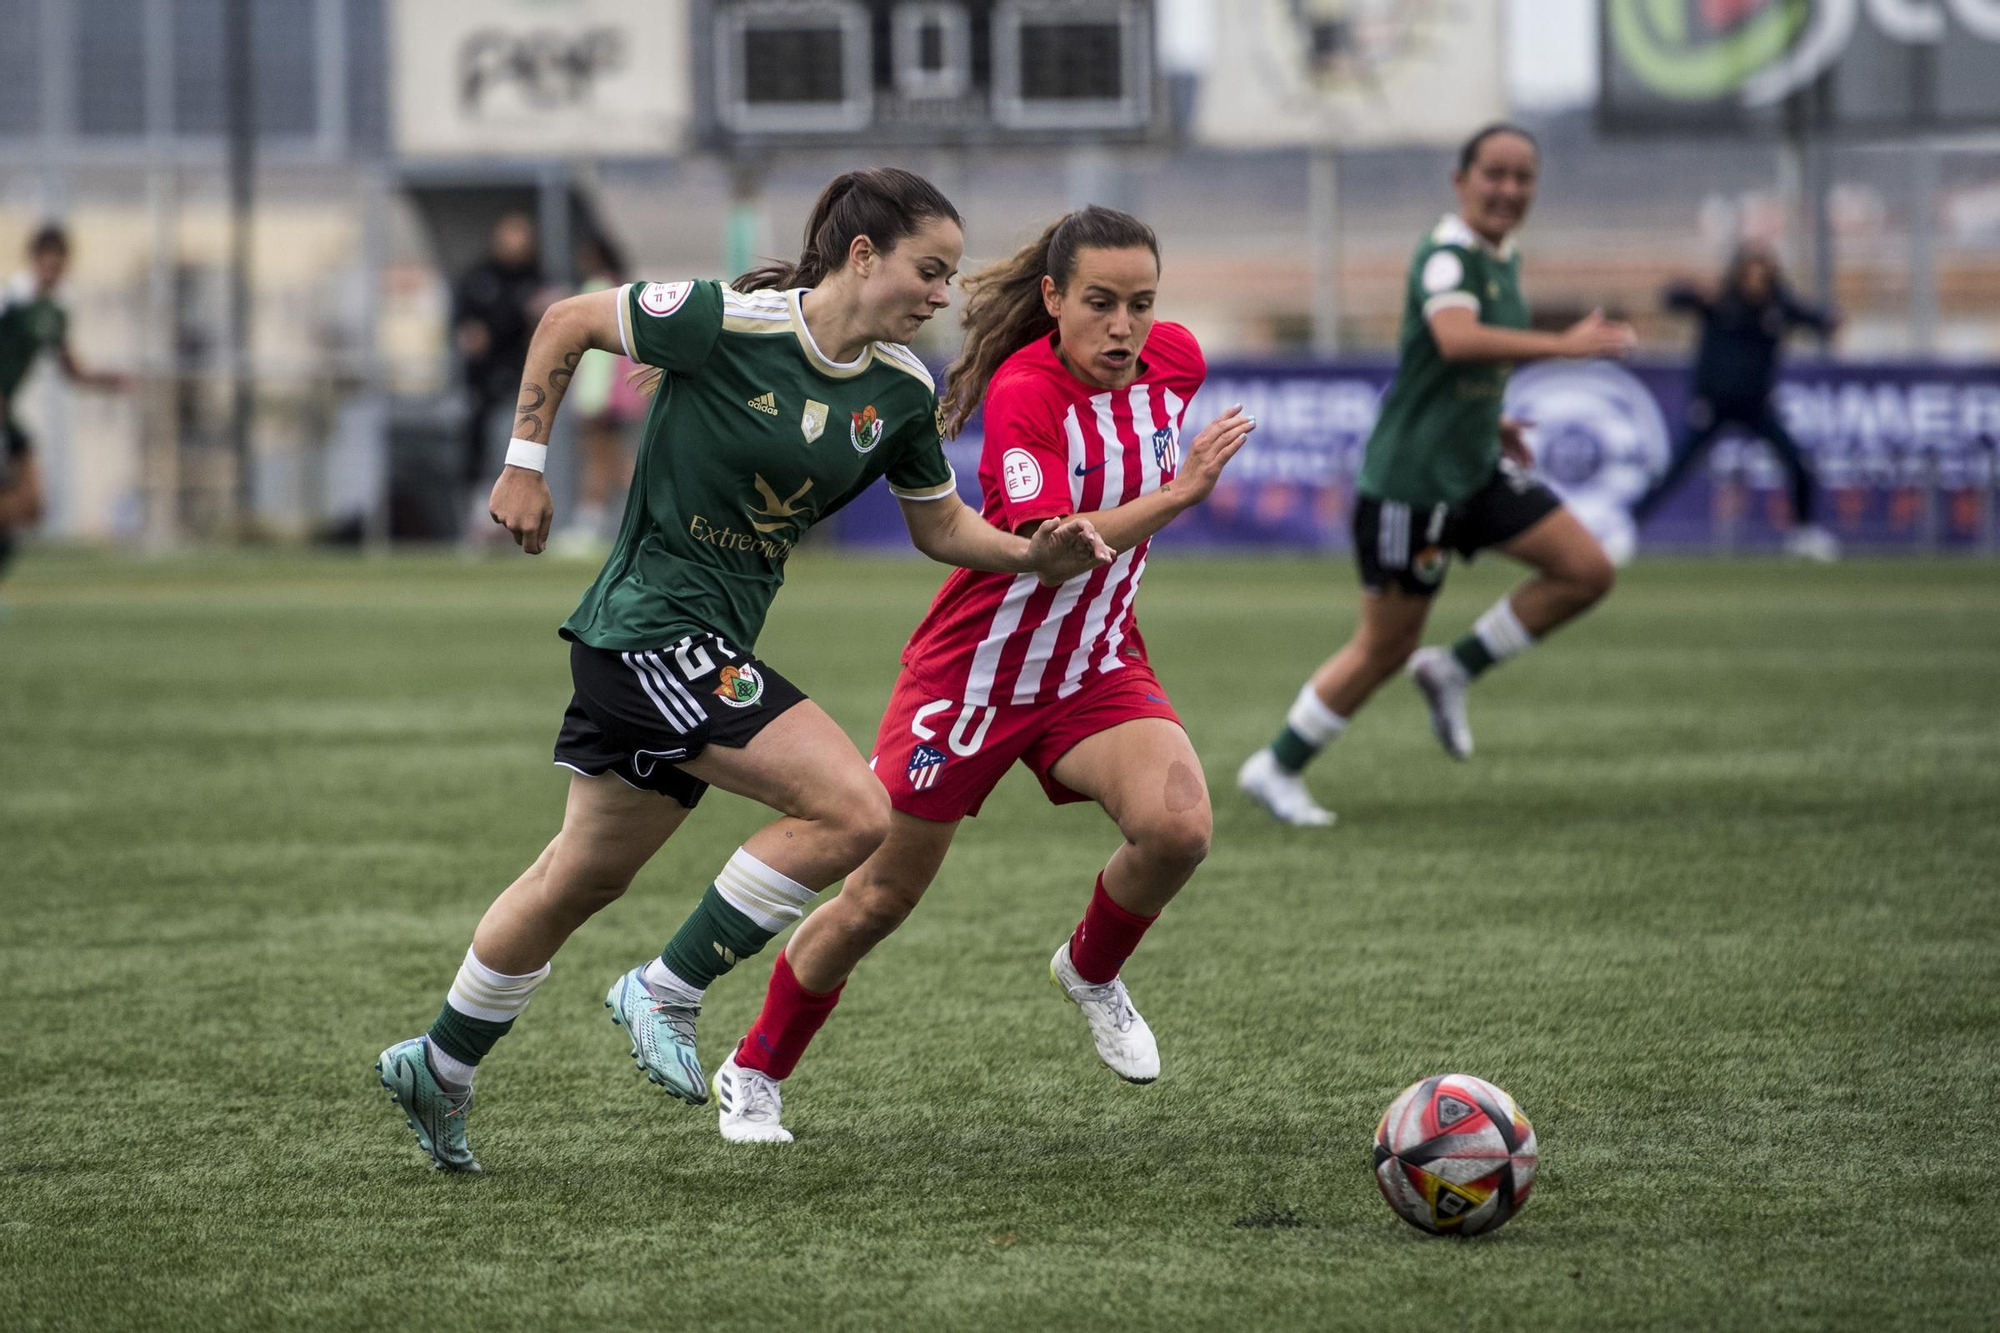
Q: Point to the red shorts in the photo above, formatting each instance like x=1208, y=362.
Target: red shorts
x=939, y=758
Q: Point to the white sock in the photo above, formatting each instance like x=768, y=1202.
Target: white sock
x=492, y=997
x=1313, y=720
x=771, y=899
x=1501, y=632
x=450, y=1070
x=667, y=985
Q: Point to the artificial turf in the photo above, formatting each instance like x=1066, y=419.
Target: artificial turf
x=1716, y=900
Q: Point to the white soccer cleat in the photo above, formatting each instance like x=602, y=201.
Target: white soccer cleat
x=1283, y=794
x=1443, y=683
x=1813, y=543
x=752, y=1108
x=1124, y=1042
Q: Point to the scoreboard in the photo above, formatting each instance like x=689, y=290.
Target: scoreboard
x=925, y=73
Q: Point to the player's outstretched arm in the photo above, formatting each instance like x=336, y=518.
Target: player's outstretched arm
x=109, y=381
x=950, y=532
x=1124, y=526
x=520, y=501
x=1461, y=337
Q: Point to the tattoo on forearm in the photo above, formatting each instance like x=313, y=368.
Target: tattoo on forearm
x=560, y=376
x=527, y=426
x=532, y=404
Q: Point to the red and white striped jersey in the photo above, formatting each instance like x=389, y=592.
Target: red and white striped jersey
x=1056, y=446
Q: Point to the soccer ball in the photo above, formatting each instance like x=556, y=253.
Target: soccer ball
x=1454, y=1156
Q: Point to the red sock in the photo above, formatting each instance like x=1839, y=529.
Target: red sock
x=791, y=1015
x=1105, y=937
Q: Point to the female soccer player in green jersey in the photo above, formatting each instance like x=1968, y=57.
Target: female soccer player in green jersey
x=779, y=399
x=32, y=321
x=1445, y=472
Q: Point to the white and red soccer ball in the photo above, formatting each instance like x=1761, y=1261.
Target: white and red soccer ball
x=1454, y=1156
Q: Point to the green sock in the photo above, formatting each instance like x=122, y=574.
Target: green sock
x=463, y=1037
x=714, y=938
x=1472, y=654
x=1310, y=726
x=1292, y=751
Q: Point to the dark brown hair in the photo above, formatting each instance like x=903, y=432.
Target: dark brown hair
x=49, y=236
x=884, y=204
x=1468, y=152
x=1003, y=301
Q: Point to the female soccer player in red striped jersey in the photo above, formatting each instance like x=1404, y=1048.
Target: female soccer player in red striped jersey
x=1084, y=395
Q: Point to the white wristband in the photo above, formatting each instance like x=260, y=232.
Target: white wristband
x=527, y=454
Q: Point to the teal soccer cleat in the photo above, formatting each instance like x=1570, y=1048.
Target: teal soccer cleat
x=662, y=1034
x=437, y=1115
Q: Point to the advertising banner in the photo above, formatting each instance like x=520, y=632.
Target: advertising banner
x=1869, y=65
x=540, y=78
x=1904, y=454
x=1351, y=73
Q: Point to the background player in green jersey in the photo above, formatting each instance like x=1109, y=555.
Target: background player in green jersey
x=1444, y=472
x=32, y=322
x=778, y=399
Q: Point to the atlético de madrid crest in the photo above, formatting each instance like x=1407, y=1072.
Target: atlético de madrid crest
x=926, y=762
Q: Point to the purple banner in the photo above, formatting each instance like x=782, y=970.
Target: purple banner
x=1904, y=454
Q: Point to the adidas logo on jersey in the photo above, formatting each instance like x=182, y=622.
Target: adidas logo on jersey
x=767, y=403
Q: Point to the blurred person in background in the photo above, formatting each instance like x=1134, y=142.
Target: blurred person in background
x=780, y=398
x=494, y=306
x=608, y=401
x=1445, y=472
x=33, y=321
x=1744, y=322
x=1084, y=394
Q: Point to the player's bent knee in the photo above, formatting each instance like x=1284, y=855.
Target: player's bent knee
x=1599, y=577
x=1589, y=579
x=858, y=815
x=1180, y=840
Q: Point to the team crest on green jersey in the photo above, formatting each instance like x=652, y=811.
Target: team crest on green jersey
x=866, y=432
x=740, y=686
x=813, y=423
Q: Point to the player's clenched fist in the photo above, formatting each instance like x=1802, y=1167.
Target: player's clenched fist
x=520, y=503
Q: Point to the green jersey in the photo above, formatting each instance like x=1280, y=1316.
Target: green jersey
x=30, y=323
x=753, y=436
x=1437, y=439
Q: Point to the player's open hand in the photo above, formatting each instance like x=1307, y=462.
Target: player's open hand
x=1514, y=442
x=1594, y=336
x=520, y=503
x=1216, y=445
x=1058, y=552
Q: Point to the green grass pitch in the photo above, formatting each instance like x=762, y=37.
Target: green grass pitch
x=1717, y=901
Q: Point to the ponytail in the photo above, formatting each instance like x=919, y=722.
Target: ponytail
x=885, y=205
x=1004, y=310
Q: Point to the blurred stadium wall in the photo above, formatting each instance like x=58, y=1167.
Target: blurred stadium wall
x=368, y=194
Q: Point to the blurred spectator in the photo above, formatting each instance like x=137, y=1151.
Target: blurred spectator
x=494, y=306
x=1743, y=326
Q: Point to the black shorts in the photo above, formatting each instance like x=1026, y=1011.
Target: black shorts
x=1409, y=546
x=638, y=715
